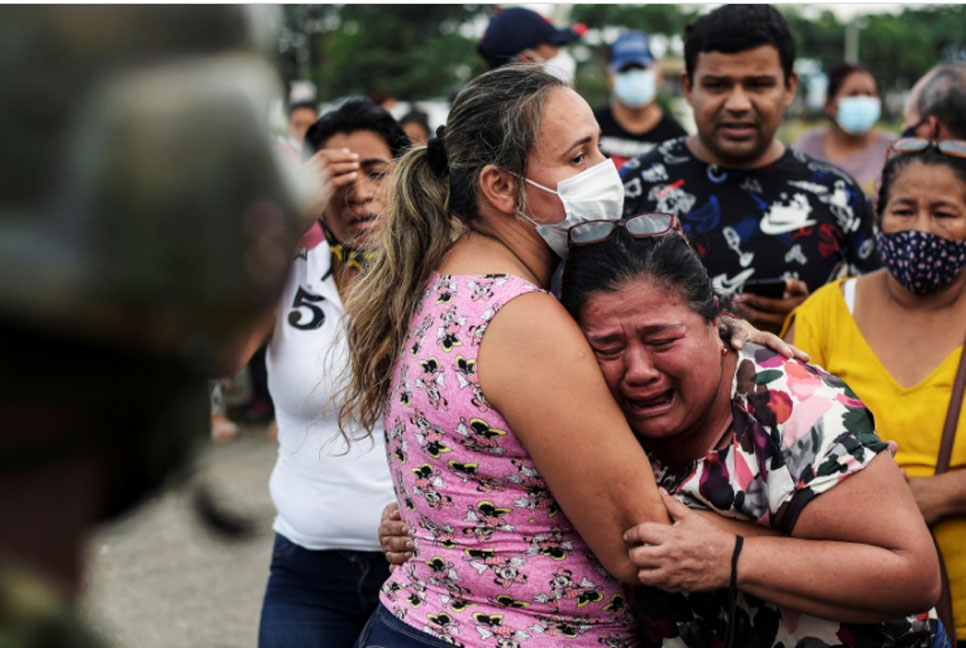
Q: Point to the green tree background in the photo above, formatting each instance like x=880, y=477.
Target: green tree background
x=423, y=51
x=412, y=51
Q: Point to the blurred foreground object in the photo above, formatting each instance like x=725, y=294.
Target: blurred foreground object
x=145, y=219
x=142, y=201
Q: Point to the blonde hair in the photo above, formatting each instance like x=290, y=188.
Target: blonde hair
x=495, y=120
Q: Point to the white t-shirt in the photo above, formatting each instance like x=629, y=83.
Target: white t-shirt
x=326, y=498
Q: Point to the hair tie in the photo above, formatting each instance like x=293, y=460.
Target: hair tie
x=436, y=151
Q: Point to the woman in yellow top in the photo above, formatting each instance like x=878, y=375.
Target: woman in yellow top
x=896, y=335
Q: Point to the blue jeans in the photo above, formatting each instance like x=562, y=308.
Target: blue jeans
x=386, y=631
x=319, y=599
x=941, y=639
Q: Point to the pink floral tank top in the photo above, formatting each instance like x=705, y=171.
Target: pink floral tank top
x=496, y=562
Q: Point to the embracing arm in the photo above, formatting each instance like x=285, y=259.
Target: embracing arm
x=859, y=553
x=537, y=369
x=860, y=547
x=730, y=525
x=743, y=331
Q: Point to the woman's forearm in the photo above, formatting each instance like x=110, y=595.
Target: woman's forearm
x=798, y=564
x=844, y=581
x=737, y=527
x=942, y=496
x=954, y=490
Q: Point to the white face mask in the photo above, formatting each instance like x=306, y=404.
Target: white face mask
x=596, y=193
x=635, y=88
x=563, y=66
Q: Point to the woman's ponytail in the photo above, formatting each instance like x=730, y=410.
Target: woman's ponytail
x=418, y=230
x=495, y=120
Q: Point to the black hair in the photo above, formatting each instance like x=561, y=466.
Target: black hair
x=608, y=265
x=897, y=163
x=737, y=28
x=356, y=115
x=838, y=74
x=303, y=104
x=417, y=117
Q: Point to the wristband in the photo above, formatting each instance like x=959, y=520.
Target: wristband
x=733, y=593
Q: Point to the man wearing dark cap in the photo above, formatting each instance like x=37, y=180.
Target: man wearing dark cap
x=519, y=34
x=633, y=123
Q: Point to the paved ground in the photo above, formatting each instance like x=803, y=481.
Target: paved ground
x=158, y=579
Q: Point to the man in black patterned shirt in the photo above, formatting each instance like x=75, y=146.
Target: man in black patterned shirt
x=754, y=208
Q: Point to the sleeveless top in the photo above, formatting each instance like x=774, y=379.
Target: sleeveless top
x=496, y=562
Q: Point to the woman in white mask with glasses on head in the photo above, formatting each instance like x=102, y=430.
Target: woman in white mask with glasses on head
x=490, y=394
x=852, y=141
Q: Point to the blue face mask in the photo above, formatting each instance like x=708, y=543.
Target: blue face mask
x=635, y=88
x=857, y=115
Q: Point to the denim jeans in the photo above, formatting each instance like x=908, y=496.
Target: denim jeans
x=319, y=598
x=940, y=638
x=386, y=631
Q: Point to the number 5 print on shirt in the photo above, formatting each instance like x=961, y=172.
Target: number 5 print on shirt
x=305, y=299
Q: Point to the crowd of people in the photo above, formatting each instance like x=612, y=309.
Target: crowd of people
x=558, y=324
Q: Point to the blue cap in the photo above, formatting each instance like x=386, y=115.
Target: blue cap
x=632, y=47
x=513, y=30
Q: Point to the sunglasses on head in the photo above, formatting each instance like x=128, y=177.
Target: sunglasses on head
x=913, y=145
x=640, y=226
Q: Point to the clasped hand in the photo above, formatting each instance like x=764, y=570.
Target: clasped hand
x=691, y=555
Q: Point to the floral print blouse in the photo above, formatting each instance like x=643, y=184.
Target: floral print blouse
x=798, y=431
x=496, y=562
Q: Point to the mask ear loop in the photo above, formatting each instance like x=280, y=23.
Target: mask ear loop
x=540, y=186
x=521, y=209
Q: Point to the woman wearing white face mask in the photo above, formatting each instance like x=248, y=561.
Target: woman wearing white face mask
x=852, y=142
x=489, y=393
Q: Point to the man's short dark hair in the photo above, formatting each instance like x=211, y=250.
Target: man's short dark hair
x=352, y=116
x=737, y=28
x=298, y=105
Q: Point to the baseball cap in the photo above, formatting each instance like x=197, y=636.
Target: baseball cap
x=633, y=47
x=513, y=30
